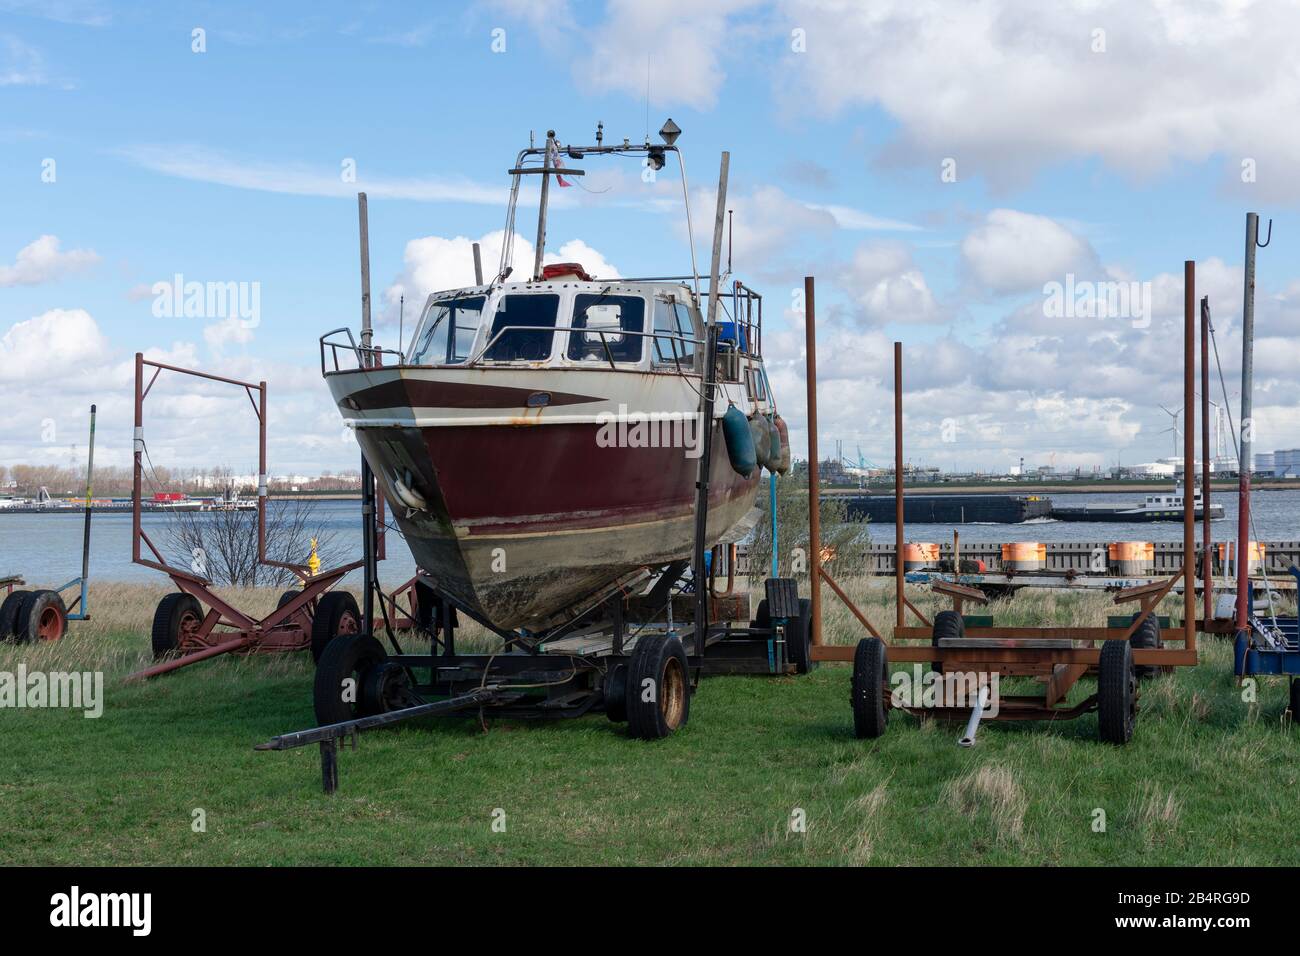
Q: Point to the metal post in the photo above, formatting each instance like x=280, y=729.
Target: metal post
x=1206, y=578
x=541, y=210
x=1189, y=453
x=137, y=454
x=709, y=382
x=364, y=217
x=898, y=482
x=478, y=266
x=261, y=471
x=85, y=533
x=1246, y=462
x=814, y=478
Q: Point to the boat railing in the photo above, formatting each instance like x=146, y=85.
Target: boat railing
x=365, y=357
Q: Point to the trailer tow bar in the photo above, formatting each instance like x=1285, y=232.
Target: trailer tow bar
x=329, y=735
x=972, y=725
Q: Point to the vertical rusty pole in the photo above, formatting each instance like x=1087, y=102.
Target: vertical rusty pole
x=898, y=483
x=261, y=471
x=1245, y=458
x=1189, y=453
x=814, y=479
x=1206, y=578
x=138, y=446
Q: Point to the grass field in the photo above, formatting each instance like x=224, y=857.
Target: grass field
x=1208, y=779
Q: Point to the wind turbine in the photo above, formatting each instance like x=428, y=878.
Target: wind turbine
x=1173, y=427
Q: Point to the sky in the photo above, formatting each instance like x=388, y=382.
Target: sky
x=958, y=176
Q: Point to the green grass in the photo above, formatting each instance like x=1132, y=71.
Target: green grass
x=1207, y=779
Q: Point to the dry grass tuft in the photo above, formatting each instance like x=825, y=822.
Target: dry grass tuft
x=991, y=791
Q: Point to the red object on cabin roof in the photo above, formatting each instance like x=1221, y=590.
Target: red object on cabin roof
x=557, y=269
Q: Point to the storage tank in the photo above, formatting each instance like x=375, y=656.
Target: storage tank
x=920, y=555
x=1255, y=554
x=1131, y=557
x=1024, y=556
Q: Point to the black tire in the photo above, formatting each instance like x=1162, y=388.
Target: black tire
x=616, y=694
x=42, y=617
x=9, y=609
x=386, y=687
x=336, y=613
x=349, y=657
x=870, y=665
x=1295, y=699
x=798, y=639
x=285, y=598
x=658, y=694
x=1147, y=637
x=177, y=614
x=1116, y=692
x=761, y=617
x=947, y=626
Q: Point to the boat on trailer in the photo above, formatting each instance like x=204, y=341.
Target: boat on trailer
x=540, y=438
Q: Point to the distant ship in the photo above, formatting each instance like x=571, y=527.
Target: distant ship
x=1153, y=508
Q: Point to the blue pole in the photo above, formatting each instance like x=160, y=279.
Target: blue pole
x=771, y=486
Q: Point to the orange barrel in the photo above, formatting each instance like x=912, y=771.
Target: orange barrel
x=1024, y=556
x=920, y=555
x=1255, y=553
x=1131, y=557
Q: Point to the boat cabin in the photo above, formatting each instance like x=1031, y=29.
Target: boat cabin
x=570, y=320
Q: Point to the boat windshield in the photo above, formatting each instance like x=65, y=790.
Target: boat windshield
x=447, y=331
x=599, y=322
x=523, y=328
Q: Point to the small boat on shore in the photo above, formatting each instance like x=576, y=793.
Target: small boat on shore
x=540, y=439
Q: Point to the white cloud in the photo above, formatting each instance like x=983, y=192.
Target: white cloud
x=434, y=264
x=1015, y=251
x=41, y=261
x=210, y=166
x=59, y=338
x=229, y=331
x=20, y=64
x=1004, y=92
x=886, y=283
x=682, y=40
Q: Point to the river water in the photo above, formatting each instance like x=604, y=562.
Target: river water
x=46, y=548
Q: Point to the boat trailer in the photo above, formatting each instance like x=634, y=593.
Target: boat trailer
x=184, y=634
x=43, y=615
x=968, y=657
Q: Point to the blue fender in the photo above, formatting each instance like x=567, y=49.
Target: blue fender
x=740, y=443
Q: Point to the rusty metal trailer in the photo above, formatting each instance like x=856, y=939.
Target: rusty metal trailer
x=195, y=623
x=1056, y=656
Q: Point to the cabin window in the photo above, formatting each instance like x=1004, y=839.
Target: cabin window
x=523, y=328
x=599, y=322
x=674, y=335
x=448, y=331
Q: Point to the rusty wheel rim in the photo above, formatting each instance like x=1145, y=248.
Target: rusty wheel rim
x=348, y=624
x=672, y=693
x=50, y=625
x=189, y=629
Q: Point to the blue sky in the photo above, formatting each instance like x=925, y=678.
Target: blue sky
x=224, y=165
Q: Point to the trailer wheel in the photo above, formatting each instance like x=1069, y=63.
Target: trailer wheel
x=336, y=614
x=42, y=617
x=385, y=687
x=870, y=665
x=9, y=609
x=658, y=694
x=762, y=619
x=1116, y=692
x=616, y=694
x=1147, y=637
x=798, y=639
x=947, y=625
x=342, y=676
x=285, y=598
x=1295, y=700
x=177, y=618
